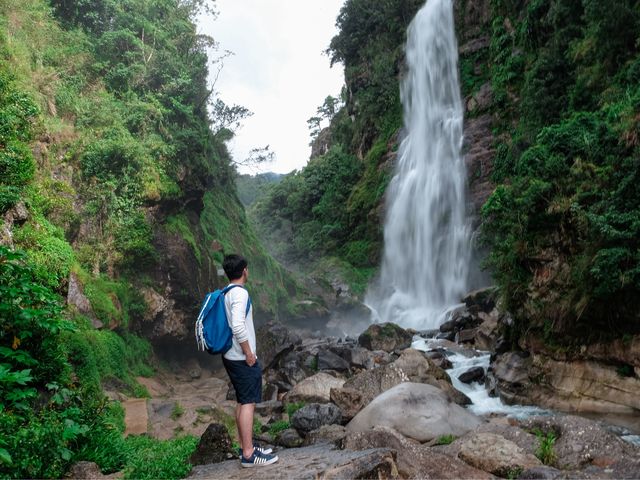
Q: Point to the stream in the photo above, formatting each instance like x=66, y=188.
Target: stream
x=483, y=404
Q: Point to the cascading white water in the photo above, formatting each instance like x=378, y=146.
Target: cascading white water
x=427, y=234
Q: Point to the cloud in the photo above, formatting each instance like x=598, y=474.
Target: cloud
x=278, y=71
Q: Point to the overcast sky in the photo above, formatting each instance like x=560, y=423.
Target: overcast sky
x=277, y=70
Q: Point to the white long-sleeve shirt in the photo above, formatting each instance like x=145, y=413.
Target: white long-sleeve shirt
x=235, y=304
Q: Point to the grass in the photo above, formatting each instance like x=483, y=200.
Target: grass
x=445, y=439
x=177, y=412
x=545, y=451
x=276, y=427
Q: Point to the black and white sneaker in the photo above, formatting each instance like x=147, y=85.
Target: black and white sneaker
x=258, y=459
x=258, y=447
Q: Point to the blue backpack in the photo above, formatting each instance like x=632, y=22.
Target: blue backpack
x=213, y=333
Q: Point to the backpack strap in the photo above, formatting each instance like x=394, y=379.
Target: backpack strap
x=233, y=285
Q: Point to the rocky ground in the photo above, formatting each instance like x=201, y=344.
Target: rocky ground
x=373, y=407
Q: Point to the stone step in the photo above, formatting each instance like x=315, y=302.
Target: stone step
x=136, y=417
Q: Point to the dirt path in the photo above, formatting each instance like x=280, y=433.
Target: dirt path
x=136, y=417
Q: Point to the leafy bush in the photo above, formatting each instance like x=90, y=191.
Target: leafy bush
x=149, y=458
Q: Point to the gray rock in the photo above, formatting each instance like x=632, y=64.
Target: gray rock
x=89, y=471
x=474, y=374
x=349, y=400
x=309, y=463
x=326, y=434
x=372, y=383
x=418, y=411
x=580, y=441
x=413, y=459
x=214, y=446
x=495, y=454
x=314, y=389
x=327, y=360
x=466, y=336
x=270, y=407
x=539, y=473
x=484, y=298
x=274, y=340
x=269, y=392
x=289, y=438
x=385, y=336
x=313, y=416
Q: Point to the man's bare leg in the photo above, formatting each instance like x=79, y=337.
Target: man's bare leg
x=238, y=424
x=245, y=427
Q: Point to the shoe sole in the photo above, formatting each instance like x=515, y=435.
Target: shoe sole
x=268, y=462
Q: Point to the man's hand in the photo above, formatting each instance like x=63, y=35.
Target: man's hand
x=251, y=359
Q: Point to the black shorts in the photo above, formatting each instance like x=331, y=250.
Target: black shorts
x=246, y=380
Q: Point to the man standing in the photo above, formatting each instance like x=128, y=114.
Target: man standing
x=242, y=363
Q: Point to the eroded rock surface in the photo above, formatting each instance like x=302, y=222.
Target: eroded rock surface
x=322, y=461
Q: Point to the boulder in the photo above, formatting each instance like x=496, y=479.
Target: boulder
x=466, y=336
x=418, y=411
x=313, y=416
x=293, y=368
x=214, y=446
x=495, y=454
x=419, y=368
x=316, y=388
x=580, y=441
x=273, y=340
x=484, y=299
x=372, y=383
x=385, y=336
x=486, y=335
x=349, y=400
x=89, y=471
x=326, y=434
x=327, y=360
x=474, y=374
x=413, y=459
x=76, y=297
x=289, y=438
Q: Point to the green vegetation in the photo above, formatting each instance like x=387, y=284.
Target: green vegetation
x=562, y=223
x=292, y=408
x=177, y=412
x=445, y=440
x=252, y=188
x=276, y=427
x=545, y=451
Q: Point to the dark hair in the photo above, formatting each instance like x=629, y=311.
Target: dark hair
x=233, y=266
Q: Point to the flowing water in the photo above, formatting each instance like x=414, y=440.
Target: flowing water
x=427, y=233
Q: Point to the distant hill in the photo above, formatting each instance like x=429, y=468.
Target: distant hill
x=252, y=187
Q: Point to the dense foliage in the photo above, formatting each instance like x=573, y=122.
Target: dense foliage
x=563, y=222
x=111, y=141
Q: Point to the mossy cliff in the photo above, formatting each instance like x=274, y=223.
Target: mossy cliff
x=117, y=203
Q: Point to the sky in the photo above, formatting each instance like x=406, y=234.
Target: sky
x=278, y=71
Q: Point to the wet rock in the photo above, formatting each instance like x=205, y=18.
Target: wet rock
x=466, y=336
x=313, y=416
x=486, y=335
x=327, y=360
x=413, y=459
x=475, y=374
x=214, y=446
x=349, y=400
x=326, y=434
x=418, y=367
x=484, y=298
x=491, y=384
x=385, y=336
x=448, y=326
x=418, y=411
x=495, y=454
x=450, y=335
x=314, y=389
x=289, y=438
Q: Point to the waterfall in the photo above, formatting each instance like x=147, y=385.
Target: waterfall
x=427, y=232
